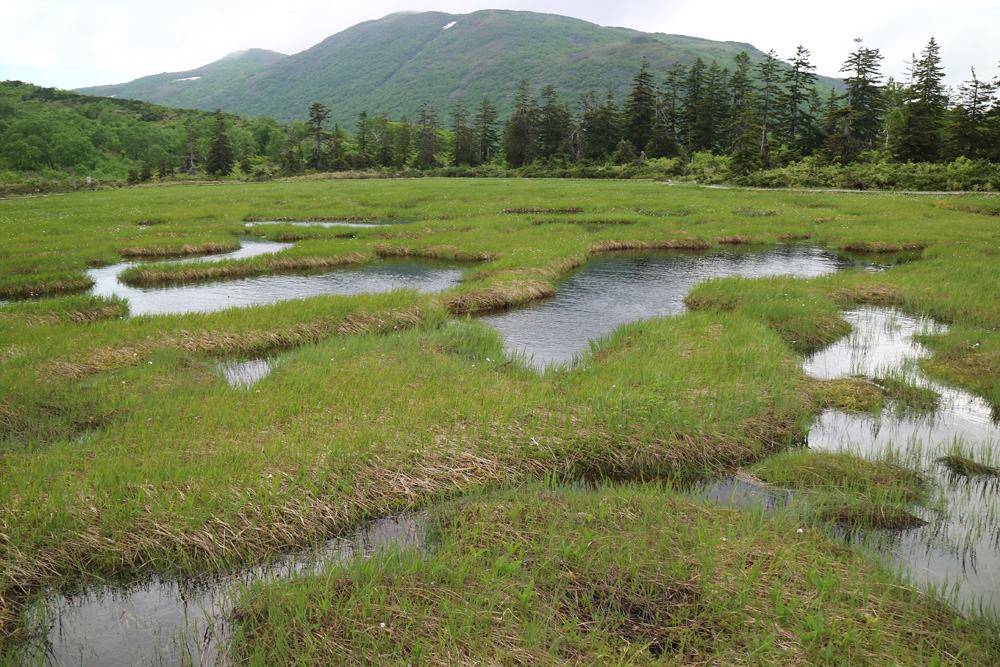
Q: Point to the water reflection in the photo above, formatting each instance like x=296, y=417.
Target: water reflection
x=268, y=289
x=245, y=374
x=958, y=549
x=182, y=621
x=614, y=290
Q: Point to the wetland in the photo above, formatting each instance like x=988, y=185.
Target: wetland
x=184, y=451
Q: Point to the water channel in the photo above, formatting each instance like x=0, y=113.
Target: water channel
x=613, y=290
x=957, y=551
x=171, y=621
x=203, y=297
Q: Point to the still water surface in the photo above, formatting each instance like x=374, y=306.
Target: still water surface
x=958, y=550
x=205, y=297
x=611, y=291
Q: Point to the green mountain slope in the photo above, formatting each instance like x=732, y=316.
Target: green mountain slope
x=198, y=88
x=395, y=63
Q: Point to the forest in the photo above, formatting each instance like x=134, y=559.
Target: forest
x=767, y=124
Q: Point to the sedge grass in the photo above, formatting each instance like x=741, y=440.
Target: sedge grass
x=124, y=450
x=568, y=576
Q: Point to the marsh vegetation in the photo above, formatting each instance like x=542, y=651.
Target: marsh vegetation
x=127, y=452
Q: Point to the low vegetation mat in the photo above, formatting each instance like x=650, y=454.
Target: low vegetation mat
x=123, y=449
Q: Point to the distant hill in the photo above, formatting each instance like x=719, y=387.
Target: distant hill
x=395, y=63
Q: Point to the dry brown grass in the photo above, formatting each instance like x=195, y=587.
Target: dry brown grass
x=498, y=297
x=31, y=288
x=412, y=233
x=734, y=239
x=220, y=343
x=587, y=221
x=882, y=247
x=875, y=294
x=433, y=252
x=184, y=250
x=687, y=243
x=83, y=316
x=523, y=210
x=315, y=218
x=151, y=276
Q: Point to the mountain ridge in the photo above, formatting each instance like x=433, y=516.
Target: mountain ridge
x=395, y=63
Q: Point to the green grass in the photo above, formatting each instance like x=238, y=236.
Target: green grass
x=847, y=489
x=124, y=450
x=629, y=575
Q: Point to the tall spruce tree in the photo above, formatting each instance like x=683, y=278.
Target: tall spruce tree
x=793, y=102
x=402, y=145
x=924, y=108
x=463, y=147
x=598, y=129
x=519, y=134
x=363, y=126
x=966, y=124
x=639, y=109
x=221, y=156
x=769, y=73
x=697, y=132
x=717, y=113
x=485, y=124
x=856, y=122
x=382, y=140
x=745, y=127
x=554, y=125
x=427, y=140
x=666, y=139
x=317, y=114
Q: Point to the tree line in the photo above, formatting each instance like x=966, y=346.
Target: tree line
x=760, y=115
x=757, y=116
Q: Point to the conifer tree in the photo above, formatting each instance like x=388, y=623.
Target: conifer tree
x=745, y=127
x=519, y=134
x=221, y=156
x=427, y=140
x=335, y=144
x=363, y=127
x=291, y=155
x=857, y=122
x=923, y=109
x=966, y=128
x=487, y=134
x=769, y=73
x=317, y=114
x=598, y=129
x=717, y=114
x=554, y=125
x=696, y=131
x=794, y=110
x=463, y=150
x=382, y=138
x=639, y=109
x=402, y=145
x=665, y=140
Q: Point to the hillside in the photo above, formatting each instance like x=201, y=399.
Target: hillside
x=395, y=63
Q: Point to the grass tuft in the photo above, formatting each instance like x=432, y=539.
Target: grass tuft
x=965, y=467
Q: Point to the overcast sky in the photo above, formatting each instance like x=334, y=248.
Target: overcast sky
x=75, y=43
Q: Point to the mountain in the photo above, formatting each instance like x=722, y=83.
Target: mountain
x=196, y=88
x=395, y=63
